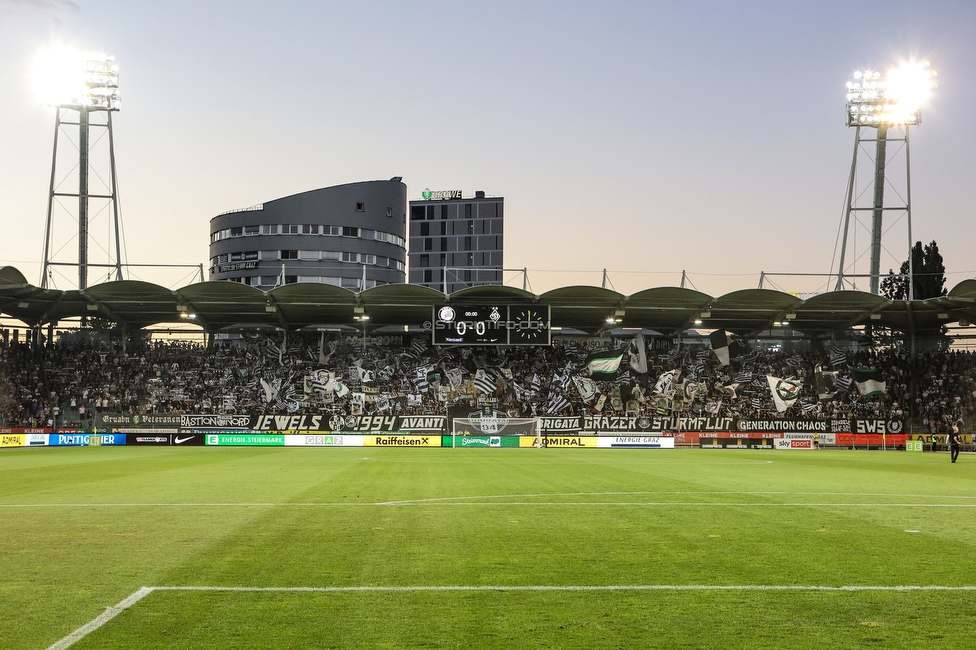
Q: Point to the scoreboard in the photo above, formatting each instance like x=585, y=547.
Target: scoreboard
x=491, y=325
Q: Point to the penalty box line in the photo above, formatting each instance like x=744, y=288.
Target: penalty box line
x=135, y=597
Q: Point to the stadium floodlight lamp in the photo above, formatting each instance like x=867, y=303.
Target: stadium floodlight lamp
x=895, y=98
x=67, y=78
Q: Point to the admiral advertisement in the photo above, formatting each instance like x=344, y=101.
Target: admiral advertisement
x=11, y=440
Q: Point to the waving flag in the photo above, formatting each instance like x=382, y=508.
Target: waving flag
x=604, y=363
x=785, y=391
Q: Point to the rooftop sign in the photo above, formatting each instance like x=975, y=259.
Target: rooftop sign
x=440, y=195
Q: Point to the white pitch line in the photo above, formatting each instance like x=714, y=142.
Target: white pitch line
x=517, y=588
x=112, y=612
x=101, y=619
x=648, y=504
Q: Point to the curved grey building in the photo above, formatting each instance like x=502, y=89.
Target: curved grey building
x=335, y=235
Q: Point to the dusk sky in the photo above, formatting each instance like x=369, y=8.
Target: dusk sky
x=640, y=137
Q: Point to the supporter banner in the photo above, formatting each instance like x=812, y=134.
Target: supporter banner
x=647, y=442
x=12, y=440
x=604, y=424
x=480, y=441
x=314, y=440
x=188, y=421
x=610, y=424
x=245, y=440
x=146, y=421
x=326, y=422
x=401, y=441
x=557, y=424
x=152, y=431
x=21, y=430
x=86, y=439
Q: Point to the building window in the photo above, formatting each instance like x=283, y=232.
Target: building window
x=443, y=228
x=291, y=279
x=252, y=230
x=310, y=229
x=417, y=212
x=428, y=276
x=467, y=243
x=428, y=244
x=350, y=232
x=360, y=207
x=288, y=255
x=424, y=260
x=443, y=243
x=389, y=212
x=425, y=229
x=443, y=212
x=467, y=210
x=470, y=227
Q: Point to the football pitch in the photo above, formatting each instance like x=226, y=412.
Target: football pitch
x=485, y=548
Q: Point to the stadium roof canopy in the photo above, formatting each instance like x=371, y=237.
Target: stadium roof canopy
x=230, y=306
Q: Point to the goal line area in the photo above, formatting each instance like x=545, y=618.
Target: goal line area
x=142, y=592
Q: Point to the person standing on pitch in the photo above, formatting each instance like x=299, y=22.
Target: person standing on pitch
x=955, y=442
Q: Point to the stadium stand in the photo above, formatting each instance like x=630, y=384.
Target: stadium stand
x=402, y=375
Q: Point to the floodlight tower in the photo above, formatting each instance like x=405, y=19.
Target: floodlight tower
x=883, y=102
x=86, y=84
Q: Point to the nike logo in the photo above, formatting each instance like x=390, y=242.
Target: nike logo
x=179, y=441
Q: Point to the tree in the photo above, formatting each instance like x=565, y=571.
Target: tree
x=928, y=271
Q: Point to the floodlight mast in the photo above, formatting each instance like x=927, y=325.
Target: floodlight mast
x=882, y=102
x=89, y=84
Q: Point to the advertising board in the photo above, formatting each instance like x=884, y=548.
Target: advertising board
x=401, y=441
x=479, y=441
x=794, y=443
x=324, y=440
x=12, y=440
x=86, y=439
x=641, y=442
x=244, y=440
x=558, y=441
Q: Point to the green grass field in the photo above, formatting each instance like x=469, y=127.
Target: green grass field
x=664, y=534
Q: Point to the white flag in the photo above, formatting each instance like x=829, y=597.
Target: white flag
x=785, y=391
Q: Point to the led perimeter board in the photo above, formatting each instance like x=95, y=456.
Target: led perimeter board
x=491, y=325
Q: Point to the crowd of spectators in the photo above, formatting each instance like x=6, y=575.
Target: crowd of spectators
x=79, y=376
